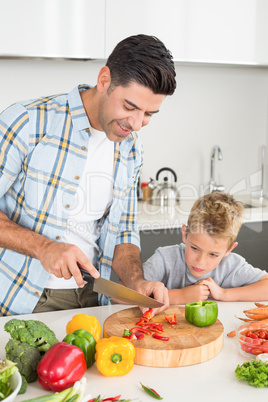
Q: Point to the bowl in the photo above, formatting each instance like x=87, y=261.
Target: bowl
x=15, y=382
x=252, y=339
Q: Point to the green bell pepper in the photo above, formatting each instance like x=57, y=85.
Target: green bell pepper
x=201, y=313
x=84, y=341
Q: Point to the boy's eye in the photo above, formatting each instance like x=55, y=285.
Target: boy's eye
x=194, y=248
x=214, y=255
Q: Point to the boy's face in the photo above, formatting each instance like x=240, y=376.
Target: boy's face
x=203, y=253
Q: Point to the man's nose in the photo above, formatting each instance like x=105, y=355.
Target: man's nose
x=137, y=121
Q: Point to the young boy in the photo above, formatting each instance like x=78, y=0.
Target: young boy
x=203, y=265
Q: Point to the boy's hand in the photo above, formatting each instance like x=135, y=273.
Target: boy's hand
x=195, y=293
x=215, y=290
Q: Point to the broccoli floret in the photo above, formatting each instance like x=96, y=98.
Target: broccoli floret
x=33, y=332
x=25, y=356
x=24, y=385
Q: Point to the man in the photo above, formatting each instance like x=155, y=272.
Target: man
x=69, y=167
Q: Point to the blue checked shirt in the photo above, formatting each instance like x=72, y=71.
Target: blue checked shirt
x=43, y=150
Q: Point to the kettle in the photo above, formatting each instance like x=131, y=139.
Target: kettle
x=164, y=193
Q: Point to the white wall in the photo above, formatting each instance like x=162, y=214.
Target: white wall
x=213, y=105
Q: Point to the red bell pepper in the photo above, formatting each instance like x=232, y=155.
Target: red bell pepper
x=147, y=316
x=160, y=337
x=171, y=319
x=61, y=366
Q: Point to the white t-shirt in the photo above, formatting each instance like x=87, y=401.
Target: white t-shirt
x=93, y=197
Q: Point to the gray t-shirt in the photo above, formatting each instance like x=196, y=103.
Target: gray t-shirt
x=168, y=265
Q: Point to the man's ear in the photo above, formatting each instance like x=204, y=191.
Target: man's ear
x=104, y=79
x=231, y=248
x=184, y=233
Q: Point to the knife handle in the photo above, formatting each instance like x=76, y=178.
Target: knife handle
x=86, y=276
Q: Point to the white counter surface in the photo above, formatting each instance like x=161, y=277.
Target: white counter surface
x=209, y=381
x=153, y=217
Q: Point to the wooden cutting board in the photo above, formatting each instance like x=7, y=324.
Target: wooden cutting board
x=187, y=343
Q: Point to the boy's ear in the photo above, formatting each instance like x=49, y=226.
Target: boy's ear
x=184, y=233
x=231, y=248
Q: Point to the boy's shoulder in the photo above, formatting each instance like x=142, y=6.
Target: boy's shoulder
x=234, y=259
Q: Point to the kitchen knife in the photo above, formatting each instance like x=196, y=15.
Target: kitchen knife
x=120, y=292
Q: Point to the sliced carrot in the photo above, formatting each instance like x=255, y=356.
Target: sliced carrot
x=231, y=334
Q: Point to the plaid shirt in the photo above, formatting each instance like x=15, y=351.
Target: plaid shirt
x=43, y=145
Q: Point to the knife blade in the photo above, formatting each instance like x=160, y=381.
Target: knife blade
x=117, y=291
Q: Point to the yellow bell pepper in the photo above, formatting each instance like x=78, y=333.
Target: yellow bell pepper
x=84, y=321
x=114, y=356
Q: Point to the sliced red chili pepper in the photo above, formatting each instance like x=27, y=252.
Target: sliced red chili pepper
x=160, y=337
x=115, y=398
x=151, y=392
x=171, y=319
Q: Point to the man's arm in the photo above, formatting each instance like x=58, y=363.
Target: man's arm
x=128, y=267
x=61, y=259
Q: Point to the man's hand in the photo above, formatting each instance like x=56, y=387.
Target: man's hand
x=157, y=291
x=64, y=260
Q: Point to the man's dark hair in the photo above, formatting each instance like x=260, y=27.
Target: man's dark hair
x=145, y=60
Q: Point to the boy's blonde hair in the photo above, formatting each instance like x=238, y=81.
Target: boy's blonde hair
x=217, y=214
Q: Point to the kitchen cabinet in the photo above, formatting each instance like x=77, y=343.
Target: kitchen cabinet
x=207, y=31
x=252, y=242
x=52, y=28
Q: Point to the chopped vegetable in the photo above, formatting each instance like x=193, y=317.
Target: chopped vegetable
x=129, y=335
x=231, y=334
x=153, y=326
x=84, y=321
x=7, y=368
x=147, y=316
x=61, y=366
x=85, y=341
x=254, y=372
x=33, y=332
x=151, y=392
x=114, y=356
x=26, y=358
x=171, y=319
x=134, y=330
x=74, y=393
x=160, y=337
x=202, y=313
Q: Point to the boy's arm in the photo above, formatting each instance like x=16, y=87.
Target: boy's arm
x=189, y=294
x=252, y=292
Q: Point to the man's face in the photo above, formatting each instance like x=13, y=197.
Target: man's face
x=126, y=109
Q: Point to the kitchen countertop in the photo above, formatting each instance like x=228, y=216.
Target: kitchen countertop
x=154, y=217
x=213, y=379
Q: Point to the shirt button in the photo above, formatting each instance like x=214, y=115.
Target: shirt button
x=58, y=237
x=67, y=206
x=36, y=293
x=83, y=147
x=77, y=177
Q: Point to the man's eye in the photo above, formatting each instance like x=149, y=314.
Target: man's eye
x=128, y=109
